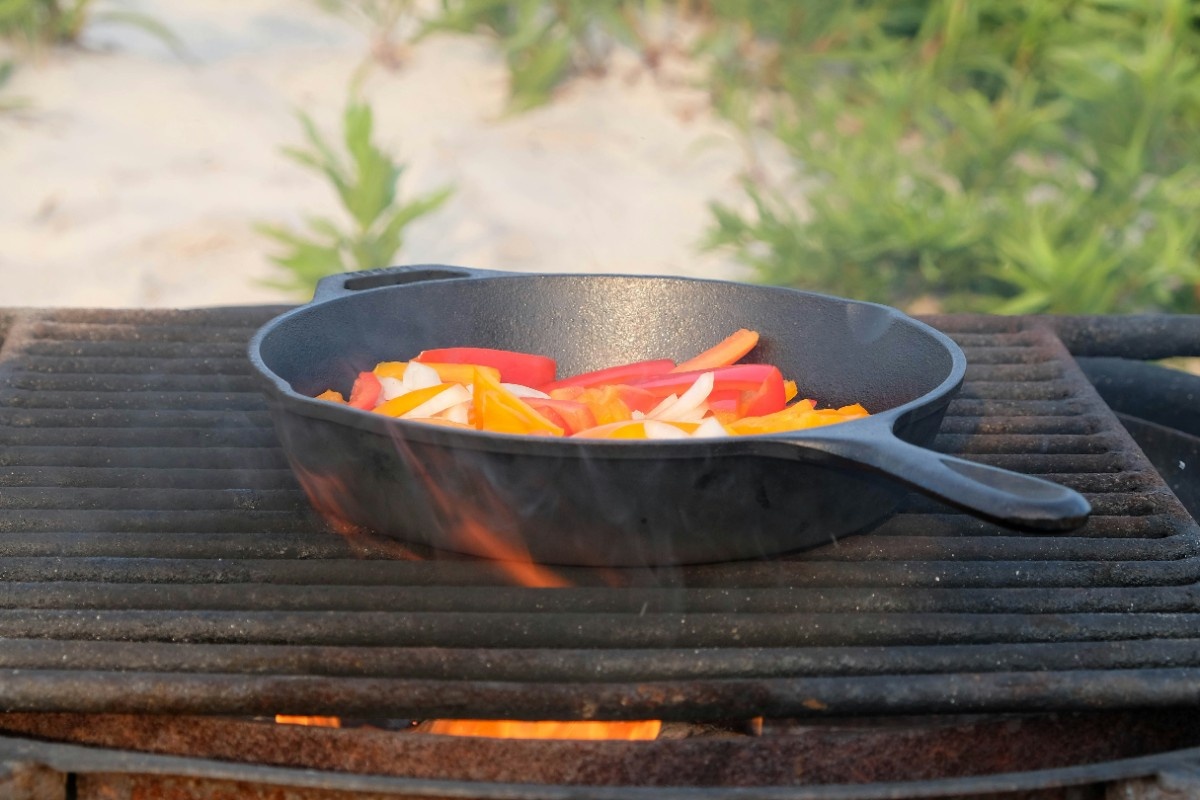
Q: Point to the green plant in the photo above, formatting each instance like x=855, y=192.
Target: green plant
x=57, y=22
x=1034, y=156
x=8, y=103
x=365, y=183
x=544, y=41
x=382, y=21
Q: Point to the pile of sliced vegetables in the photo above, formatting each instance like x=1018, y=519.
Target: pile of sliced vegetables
x=511, y=392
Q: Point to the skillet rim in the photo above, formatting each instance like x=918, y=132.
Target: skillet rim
x=294, y=402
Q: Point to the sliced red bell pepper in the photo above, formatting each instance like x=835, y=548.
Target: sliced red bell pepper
x=527, y=369
x=769, y=397
x=366, y=391
x=726, y=352
x=738, y=377
x=759, y=388
x=636, y=398
x=570, y=415
x=622, y=373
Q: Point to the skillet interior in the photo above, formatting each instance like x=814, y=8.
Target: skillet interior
x=840, y=352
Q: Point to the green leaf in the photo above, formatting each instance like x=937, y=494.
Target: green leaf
x=368, y=196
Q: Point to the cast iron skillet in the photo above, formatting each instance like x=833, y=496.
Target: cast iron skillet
x=565, y=501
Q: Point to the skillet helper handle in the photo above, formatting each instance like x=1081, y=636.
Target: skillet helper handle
x=347, y=283
x=1009, y=498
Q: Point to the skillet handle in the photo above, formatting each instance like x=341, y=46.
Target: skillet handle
x=347, y=283
x=1000, y=495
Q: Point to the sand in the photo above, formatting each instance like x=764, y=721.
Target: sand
x=134, y=178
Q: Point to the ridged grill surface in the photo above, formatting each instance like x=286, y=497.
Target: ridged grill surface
x=157, y=555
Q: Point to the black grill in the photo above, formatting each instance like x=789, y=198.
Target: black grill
x=158, y=556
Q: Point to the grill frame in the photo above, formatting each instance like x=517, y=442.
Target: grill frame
x=269, y=593
x=776, y=768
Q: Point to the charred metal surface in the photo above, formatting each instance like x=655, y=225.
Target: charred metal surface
x=1156, y=394
x=156, y=555
x=1142, y=337
x=1174, y=453
x=109, y=786
x=24, y=780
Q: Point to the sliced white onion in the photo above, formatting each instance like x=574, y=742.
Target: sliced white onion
x=458, y=413
x=392, y=388
x=709, y=428
x=663, y=406
x=694, y=415
x=450, y=396
x=688, y=402
x=524, y=391
x=662, y=430
x=419, y=376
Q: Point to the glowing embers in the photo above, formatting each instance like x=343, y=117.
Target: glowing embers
x=316, y=722
x=518, y=729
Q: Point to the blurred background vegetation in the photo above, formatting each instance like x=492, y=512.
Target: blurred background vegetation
x=991, y=155
x=986, y=155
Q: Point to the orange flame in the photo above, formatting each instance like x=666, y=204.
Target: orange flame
x=327, y=494
x=510, y=557
x=517, y=729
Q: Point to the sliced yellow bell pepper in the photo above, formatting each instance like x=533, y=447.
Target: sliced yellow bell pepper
x=789, y=419
x=409, y=400
x=448, y=373
x=606, y=404
x=632, y=429
x=797, y=416
x=500, y=411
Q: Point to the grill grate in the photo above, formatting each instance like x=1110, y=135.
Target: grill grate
x=157, y=556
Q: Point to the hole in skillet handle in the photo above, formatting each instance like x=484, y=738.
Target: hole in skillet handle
x=348, y=283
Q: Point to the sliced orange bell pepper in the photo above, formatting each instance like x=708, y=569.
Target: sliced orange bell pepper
x=500, y=411
x=724, y=353
x=331, y=396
